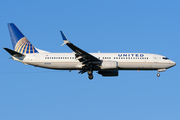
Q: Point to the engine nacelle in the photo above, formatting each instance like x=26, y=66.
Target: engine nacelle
x=109, y=65
x=109, y=73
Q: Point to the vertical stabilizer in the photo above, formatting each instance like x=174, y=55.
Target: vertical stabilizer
x=19, y=41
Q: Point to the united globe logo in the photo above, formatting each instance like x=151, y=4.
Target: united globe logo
x=24, y=46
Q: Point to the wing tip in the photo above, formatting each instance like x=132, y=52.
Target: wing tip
x=63, y=36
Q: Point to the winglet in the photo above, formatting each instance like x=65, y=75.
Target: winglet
x=64, y=38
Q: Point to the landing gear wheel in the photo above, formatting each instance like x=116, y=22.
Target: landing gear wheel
x=158, y=74
x=90, y=77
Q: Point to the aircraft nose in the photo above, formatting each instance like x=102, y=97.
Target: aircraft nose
x=172, y=63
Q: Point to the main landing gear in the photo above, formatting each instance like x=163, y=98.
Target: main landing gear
x=90, y=73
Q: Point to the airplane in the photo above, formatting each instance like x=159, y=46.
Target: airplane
x=106, y=64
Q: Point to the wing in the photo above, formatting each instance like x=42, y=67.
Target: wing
x=81, y=55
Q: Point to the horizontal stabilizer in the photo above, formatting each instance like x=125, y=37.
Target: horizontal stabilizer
x=14, y=53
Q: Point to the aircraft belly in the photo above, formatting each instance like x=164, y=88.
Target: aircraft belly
x=60, y=66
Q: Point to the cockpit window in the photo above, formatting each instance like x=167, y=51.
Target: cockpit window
x=165, y=58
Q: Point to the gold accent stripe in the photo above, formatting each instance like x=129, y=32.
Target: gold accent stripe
x=26, y=48
x=19, y=43
x=23, y=47
x=145, y=62
x=17, y=46
x=80, y=62
x=20, y=47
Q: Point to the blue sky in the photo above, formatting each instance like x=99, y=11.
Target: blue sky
x=149, y=26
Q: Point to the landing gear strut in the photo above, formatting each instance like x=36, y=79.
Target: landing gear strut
x=160, y=70
x=90, y=73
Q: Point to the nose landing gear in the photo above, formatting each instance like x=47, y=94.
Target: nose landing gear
x=158, y=75
x=160, y=70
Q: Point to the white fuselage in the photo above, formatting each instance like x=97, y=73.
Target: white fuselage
x=126, y=61
x=107, y=64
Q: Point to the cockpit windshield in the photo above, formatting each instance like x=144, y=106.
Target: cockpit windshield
x=165, y=58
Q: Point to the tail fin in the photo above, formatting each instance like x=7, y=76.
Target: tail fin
x=19, y=41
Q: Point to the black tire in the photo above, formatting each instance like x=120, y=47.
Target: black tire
x=90, y=77
x=158, y=75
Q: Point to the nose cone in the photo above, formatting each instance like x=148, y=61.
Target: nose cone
x=172, y=63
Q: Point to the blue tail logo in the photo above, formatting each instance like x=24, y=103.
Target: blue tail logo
x=19, y=41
